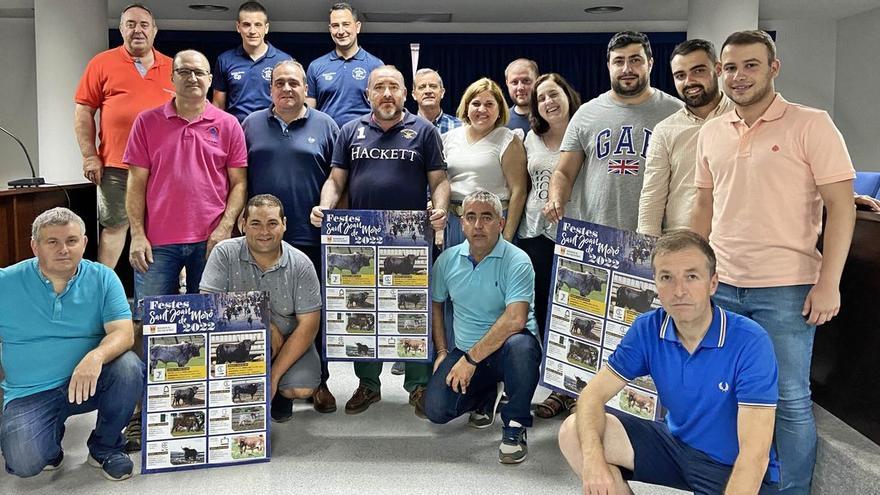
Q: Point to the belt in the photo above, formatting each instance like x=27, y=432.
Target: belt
x=457, y=210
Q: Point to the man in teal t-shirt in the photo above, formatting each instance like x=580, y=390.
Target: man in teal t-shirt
x=66, y=327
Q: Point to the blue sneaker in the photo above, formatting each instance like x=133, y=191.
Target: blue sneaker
x=116, y=467
x=484, y=416
x=513, y=448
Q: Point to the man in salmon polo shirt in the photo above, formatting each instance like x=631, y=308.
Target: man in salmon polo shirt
x=187, y=184
x=121, y=83
x=763, y=173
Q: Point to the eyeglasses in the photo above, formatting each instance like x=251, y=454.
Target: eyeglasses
x=186, y=73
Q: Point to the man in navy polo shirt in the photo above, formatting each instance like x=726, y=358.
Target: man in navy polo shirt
x=715, y=372
x=338, y=81
x=387, y=158
x=289, y=150
x=66, y=328
x=242, y=74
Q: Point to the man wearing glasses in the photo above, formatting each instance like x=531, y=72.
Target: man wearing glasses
x=187, y=182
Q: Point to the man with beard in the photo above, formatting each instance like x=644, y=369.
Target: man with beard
x=391, y=157
x=668, y=192
x=520, y=76
x=599, y=176
x=763, y=173
x=338, y=80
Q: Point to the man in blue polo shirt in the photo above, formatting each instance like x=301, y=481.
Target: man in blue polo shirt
x=715, y=372
x=289, y=151
x=492, y=285
x=387, y=159
x=338, y=80
x=66, y=328
x=242, y=74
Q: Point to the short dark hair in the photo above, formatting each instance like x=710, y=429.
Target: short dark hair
x=538, y=124
x=625, y=38
x=253, y=7
x=345, y=6
x=679, y=240
x=138, y=6
x=262, y=200
x=752, y=37
x=692, y=45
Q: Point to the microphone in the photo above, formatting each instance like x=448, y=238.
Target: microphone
x=33, y=180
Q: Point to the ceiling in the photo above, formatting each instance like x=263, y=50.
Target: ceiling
x=487, y=11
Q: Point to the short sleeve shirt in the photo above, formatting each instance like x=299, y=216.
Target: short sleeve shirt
x=518, y=121
x=388, y=170
x=112, y=84
x=292, y=283
x=245, y=80
x=480, y=293
x=473, y=166
x=767, y=212
x=733, y=366
x=338, y=85
x=44, y=334
x=188, y=183
x=614, y=138
x=291, y=162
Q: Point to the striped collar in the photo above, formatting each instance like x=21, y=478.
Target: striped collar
x=715, y=336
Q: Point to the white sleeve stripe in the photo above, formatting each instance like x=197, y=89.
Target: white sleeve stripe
x=611, y=368
x=756, y=404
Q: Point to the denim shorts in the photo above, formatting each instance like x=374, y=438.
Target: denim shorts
x=661, y=459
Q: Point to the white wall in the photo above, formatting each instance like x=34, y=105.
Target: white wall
x=807, y=52
x=856, y=106
x=18, y=94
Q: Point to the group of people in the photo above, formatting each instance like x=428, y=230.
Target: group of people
x=738, y=176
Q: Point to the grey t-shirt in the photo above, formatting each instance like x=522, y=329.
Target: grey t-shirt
x=292, y=283
x=614, y=137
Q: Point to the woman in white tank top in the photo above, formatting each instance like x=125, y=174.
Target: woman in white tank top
x=483, y=154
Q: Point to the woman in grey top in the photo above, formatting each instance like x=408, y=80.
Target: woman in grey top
x=553, y=103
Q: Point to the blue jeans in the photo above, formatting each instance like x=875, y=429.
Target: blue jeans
x=163, y=275
x=778, y=310
x=33, y=426
x=516, y=364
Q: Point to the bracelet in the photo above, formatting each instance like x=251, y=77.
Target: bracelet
x=469, y=359
x=438, y=351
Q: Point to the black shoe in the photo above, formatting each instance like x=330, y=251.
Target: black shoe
x=133, y=434
x=282, y=409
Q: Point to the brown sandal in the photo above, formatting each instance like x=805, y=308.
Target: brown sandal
x=554, y=404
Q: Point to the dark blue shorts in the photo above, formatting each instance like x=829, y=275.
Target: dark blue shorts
x=661, y=459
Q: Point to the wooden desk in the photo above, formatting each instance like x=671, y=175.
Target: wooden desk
x=845, y=370
x=19, y=208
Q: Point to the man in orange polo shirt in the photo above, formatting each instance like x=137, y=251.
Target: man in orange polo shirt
x=121, y=83
x=763, y=174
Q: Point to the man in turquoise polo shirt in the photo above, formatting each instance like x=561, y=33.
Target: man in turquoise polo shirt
x=715, y=373
x=492, y=285
x=66, y=329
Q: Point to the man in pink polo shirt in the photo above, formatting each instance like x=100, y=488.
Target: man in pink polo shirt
x=763, y=174
x=187, y=183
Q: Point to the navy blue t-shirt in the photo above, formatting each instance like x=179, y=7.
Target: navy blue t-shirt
x=292, y=162
x=388, y=170
x=246, y=81
x=518, y=121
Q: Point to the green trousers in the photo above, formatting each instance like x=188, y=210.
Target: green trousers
x=417, y=374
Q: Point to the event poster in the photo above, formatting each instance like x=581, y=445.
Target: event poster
x=205, y=400
x=601, y=281
x=377, y=304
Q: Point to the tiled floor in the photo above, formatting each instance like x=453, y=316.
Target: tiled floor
x=387, y=449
